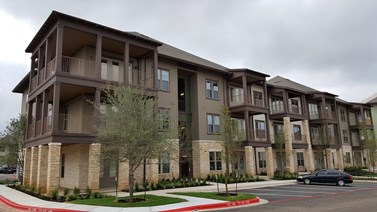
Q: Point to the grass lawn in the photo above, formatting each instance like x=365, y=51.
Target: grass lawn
x=213, y=195
x=152, y=200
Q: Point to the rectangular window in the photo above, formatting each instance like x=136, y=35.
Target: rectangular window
x=212, y=89
x=258, y=98
x=262, y=159
x=163, y=79
x=342, y=115
x=345, y=136
x=277, y=105
x=300, y=159
x=313, y=111
x=260, y=129
x=62, y=166
x=104, y=69
x=347, y=157
x=215, y=161
x=213, y=122
x=294, y=106
x=297, y=132
x=164, y=164
x=164, y=118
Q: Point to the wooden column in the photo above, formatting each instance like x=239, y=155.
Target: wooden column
x=55, y=108
x=98, y=57
x=59, y=48
x=126, y=59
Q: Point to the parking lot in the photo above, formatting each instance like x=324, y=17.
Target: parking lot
x=301, y=191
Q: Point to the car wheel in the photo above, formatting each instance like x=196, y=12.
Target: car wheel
x=340, y=183
x=307, y=181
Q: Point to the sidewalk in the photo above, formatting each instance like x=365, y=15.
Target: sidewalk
x=36, y=204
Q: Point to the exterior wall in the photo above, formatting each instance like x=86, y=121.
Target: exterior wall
x=349, y=150
x=200, y=157
x=374, y=118
x=76, y=166
x=205, y=105
x=343, y=125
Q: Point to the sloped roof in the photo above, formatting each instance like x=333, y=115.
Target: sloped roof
x=178, y=54
x=287, y=83
x=371, y=100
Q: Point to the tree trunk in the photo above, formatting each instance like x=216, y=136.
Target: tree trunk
x=226, y=173
x=131, y=183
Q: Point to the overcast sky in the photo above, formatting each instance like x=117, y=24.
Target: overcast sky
x=330, y=45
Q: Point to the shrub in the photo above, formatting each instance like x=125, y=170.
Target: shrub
x=71, y=197
x=76, y=191
x=88, y=193
x=97, y=195
x=54, y=194
x=356, y=170
x=66, y=191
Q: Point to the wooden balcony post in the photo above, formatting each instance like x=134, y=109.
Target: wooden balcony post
x=247, y=126
x=245, y=90
x=59, y=48
x=126, y=60
x=155, y=67
x=98, y=57
x=55, y=108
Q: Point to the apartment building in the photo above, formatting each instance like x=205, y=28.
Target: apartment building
x=73, y=59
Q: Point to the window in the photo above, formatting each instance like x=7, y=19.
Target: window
x=297, y=132
x=164, y=164
x=213, y=122
x=294, y=106
x=342, y=115
x=313, y=111
x=62, y=166
x=258, y=98
x=347, y=157
x=345, y=136
x=236, y=95
x=262, y=159
x=260, y=129
x=215, y=161
x=113, y=169
x=212, y=89
x=163, y=79
x=300, y=159
x=277, y=104
x=164, y=116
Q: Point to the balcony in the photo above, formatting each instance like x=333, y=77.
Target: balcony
x=295, y=109
x=43, y=74
x=260, y=135
x=78, y=67
x=73, y=123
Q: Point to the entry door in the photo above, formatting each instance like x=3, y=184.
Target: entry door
x=108, y=173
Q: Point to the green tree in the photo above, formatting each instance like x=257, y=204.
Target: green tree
x=13, y=142
x=132, y=130
x=279, y=143
x=369, y=142
x=231, y=141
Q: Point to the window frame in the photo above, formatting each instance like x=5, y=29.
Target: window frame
x=300, y=159
x=216, y=160
x=345, y=136
x=160, y=81
x=257, y=135
x=213, y=124
x=342, y=115
x=164, y=162
x=262, y=162
x=211, y=95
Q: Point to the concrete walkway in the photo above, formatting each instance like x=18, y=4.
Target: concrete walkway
x=24, y=199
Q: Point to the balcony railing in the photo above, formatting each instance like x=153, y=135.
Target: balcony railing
x=43, y=74
x=330, y=115
x=313, y=115
x=31, y=130
x=295, y=109
x=236, y=100
x=276, y=110
x=258, y=102
x=73, y=123
x=260, y=134
x=329, y=140
x=79, y=67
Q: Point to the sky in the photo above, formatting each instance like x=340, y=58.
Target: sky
x=329, y=45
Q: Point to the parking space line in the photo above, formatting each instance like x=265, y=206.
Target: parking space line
x=288, y=195
x=294, y=191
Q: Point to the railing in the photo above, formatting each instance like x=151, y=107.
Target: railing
x=297, y=137
x=295, y=109
x=33, y=85
x=79, y=67
x=47, y=124
x=31, y=130
x=313, y=115
x=329, y=140
x=237, y=100
x=330, y=115
x=50, y=68
x=38, y=127
x=368, y=121
x=258, y=102
x=276, y=110
x=260, y=134
x=73, y=123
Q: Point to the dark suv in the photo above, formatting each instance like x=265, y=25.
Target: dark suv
x=7, y=170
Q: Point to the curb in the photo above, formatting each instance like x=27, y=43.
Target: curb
x=216, y=205
x=14, y=205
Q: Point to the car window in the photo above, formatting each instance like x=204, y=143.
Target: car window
x=333, y=173
x=322, y=172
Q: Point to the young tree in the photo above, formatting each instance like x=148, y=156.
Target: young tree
x=13, y=141
x=231, y=141
x=321, y=145
x=369, y=142
x=132, y=130
x=279, y=143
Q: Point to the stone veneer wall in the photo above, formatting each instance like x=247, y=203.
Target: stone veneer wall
x=200, y=157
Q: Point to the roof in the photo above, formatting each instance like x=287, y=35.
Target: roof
x=287, y=83
x=248, y=71
x=371, y=100
x=55, y=16
x=178, y=54
x=22, y=85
